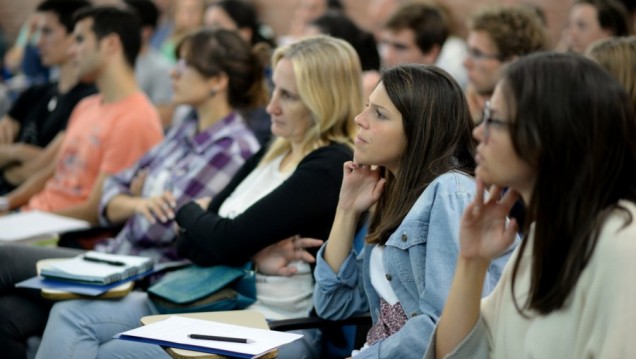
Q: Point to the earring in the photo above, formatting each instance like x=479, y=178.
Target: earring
x=213, y=92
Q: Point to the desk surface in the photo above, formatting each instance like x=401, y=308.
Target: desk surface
x=248, y=318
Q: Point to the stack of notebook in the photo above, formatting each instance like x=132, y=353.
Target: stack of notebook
x=92, y=273
x=98, y=268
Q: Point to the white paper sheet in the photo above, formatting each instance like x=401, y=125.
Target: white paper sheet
x=176, y=330
x=25, y=225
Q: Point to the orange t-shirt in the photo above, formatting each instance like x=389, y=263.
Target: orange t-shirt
x=99, y=138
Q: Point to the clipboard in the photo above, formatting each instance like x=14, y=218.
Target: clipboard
x=248, y=318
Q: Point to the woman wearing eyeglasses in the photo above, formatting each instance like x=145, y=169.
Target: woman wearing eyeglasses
x=567, y=292
x=413, y=159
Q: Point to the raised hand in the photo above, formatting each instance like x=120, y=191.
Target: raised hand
x=361, y=187
x=276, y=258
x=159, y=208
x=485, y=232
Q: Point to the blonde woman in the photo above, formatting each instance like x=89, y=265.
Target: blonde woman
x=618, y=56
x=286, y=190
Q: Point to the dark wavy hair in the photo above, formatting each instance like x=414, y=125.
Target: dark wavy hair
x=438, y=129
x=244, y=15
x=215, y=51
x=611, y=15
x=338, y=24
x=574, y=124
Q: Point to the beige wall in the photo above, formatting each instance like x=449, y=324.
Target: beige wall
x=278, y=12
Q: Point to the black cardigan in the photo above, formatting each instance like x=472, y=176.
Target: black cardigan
x=305, y=204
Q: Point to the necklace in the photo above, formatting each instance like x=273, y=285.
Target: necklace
x=52, y=103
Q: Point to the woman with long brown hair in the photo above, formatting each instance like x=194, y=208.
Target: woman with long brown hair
x=559, y=133
x=413, y=159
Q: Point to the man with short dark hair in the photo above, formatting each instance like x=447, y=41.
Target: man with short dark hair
x=107, y=132
x=42, y=111
x=592, y=20
x=419, y=33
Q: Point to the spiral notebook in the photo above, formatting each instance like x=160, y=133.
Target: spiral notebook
x=97, y=268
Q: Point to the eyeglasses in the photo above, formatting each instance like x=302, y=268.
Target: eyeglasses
x=489, y=122
x=477, y=55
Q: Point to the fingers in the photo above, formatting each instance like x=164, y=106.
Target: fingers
x=494, y=194
x=511, y=231
x=479, y=193
x=158, y=208
x=169, y=198
x=287, y=271
x=302, y=243
x=509, y=199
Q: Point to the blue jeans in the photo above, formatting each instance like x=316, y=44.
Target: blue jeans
x=85, y=329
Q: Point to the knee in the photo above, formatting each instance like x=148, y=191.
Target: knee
x=64, y=313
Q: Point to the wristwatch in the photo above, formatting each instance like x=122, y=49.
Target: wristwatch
x=4, y=204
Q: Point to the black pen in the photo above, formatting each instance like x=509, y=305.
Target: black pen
x=217, y=338
x=105, y=261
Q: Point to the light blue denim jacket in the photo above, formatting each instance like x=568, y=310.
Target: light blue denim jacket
x=419, y=261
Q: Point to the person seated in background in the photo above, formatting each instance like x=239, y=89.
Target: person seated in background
x=187, y=16
x=565, y=292
x=618, y=56
x=107, y=132
x=241, y=16
x=289, y=188
x=152, y=70
x=303, y=13
x=339, y=25
x=41, y=112
x=413, y=160
x=196, y=159
x=498, y=36
x=591, y=20
x=416, y=33
x=22, y=64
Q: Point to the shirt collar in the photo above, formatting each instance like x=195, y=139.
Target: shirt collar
x=204, y=139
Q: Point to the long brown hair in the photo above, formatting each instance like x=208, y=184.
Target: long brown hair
x=215, y=51
x=437, y=125
x=574, y=125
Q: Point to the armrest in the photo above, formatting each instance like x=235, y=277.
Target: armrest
x=87, y=238
x=315, y=322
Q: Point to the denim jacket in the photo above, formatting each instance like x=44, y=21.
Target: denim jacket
x=419, y=261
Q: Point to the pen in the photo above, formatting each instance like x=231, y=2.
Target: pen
x=217, y=338
x=105, y=261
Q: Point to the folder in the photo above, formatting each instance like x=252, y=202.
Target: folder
x=175, y=330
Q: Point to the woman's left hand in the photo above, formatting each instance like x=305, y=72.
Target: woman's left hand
x=276, y=258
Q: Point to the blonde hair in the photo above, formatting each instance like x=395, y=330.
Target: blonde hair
x=618, y=56
x=329, y=82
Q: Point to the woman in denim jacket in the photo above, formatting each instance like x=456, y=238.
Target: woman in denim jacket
x=414, y=160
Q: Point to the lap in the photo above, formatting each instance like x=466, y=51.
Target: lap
x=18, y=261
x=108, y=316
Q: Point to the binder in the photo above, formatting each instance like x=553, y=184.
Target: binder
x=97, y=268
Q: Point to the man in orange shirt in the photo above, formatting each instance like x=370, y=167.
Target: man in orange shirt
x=107, y=132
